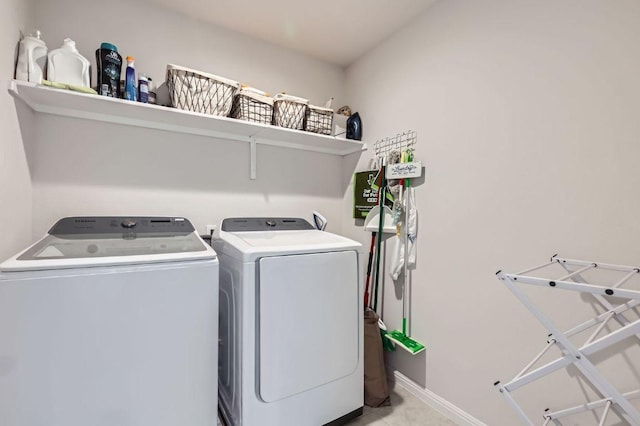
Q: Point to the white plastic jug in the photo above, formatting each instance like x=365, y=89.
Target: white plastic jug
x=32, y=59
x=66, y=65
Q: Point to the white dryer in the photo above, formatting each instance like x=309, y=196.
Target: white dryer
x=290, y=324
x=110, y=321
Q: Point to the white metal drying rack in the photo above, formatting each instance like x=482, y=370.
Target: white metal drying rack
x=572, y=280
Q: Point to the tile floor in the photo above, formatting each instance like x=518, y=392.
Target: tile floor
x=405, y=410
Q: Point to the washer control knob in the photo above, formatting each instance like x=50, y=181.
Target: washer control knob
x=128, y=223
x=270, y=223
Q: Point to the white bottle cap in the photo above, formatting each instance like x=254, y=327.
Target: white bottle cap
x=70, y=44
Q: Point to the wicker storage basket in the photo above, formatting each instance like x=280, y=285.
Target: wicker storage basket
x=318, y=120
x=252, y=105
x=197, y=91
x=288, y=111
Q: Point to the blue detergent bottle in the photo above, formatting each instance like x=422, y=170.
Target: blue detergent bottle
x=354, y=127
x=130, y=81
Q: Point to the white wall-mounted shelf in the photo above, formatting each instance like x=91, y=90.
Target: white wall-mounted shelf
x=93, y=107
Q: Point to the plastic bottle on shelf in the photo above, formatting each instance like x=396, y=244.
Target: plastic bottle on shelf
x=32, y=59
x=152, y=92
x=130, y=80
x=143, y=89
x=67, y=65
x=354, y=127
x=109, y=68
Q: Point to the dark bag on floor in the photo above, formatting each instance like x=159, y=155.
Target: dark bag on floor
x=376, y=387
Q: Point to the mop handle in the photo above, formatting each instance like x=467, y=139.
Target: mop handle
x=405, y=267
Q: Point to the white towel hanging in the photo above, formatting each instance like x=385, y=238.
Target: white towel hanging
x=411, y=228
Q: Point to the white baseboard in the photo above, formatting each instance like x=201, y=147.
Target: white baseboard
x=438, y=403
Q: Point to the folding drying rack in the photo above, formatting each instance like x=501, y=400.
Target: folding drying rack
x=611, y=398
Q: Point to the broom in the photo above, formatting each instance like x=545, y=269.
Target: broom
x=386, y=343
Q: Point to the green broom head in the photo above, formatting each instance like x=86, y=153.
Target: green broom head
x=405, y=342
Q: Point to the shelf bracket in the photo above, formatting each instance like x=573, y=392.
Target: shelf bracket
x=252, y=155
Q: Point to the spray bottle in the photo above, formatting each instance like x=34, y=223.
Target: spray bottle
x=130, y=80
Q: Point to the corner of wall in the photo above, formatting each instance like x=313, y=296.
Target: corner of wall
x=16, y=16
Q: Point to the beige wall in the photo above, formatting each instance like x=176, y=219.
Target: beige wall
x=527, y=120
x=15, y=187
x=82, y=167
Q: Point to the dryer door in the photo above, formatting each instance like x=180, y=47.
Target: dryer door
x=308, y=321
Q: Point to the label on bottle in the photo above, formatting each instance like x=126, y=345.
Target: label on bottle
x=130, y=89
x=109, y=68
x=143, y=89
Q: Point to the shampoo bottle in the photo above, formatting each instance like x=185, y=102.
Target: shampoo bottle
x=130, y=80
x=32, y=59
x=67, y=65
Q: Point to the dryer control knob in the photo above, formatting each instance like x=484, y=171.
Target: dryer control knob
x=128, y=223
x=270, y=223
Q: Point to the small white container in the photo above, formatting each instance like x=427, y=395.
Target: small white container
x=66, y=65
x=32, y=59
x=340, y=122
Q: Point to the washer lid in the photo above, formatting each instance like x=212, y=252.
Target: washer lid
x=101, y=241
x=252, y=238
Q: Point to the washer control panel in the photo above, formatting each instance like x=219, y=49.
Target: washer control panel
x=87, y=226
x=252, y=224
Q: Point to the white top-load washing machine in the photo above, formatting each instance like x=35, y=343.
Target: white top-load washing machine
x=290, y=324
x=110, y=321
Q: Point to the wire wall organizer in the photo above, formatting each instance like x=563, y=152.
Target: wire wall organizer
x=600, y=338
x=406, y=140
